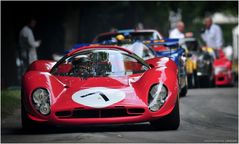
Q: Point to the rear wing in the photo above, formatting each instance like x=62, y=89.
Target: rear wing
x=108, y=42
x=166, y=42
x=172, y=44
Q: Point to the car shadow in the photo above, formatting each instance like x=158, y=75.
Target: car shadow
x=81, y=129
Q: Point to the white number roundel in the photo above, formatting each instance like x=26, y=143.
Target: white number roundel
x=98, y=97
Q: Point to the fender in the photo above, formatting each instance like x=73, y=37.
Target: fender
x=163, y=61
x=163, y=75
x=41, y=65
x=35, y=79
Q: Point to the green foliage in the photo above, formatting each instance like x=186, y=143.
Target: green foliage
x=155, y=14
x=10, y=101
x=102, y=16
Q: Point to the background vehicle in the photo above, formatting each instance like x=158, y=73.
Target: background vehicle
x=134, y=35
x=170, y=48
x=222, y=69
x=150, y=38
x=101, y=85
x=199, y=64
x=147, y=52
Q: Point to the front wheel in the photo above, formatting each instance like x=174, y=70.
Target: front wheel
x=205, y=82
x=190, y=80
x=27, y=123
x=30, y=125
x=170, y=121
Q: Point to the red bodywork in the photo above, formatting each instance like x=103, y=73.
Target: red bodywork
x=133, y=108
x=222, y=69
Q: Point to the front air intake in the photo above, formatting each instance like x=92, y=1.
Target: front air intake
x=101, y=113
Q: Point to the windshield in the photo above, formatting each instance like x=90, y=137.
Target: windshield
x=99, y=63
x=134, y=36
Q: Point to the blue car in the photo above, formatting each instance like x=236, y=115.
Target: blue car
x=145, y=50
x=177, y=54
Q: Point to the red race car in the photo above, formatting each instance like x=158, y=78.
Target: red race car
x=222, y=69
x=101, y=85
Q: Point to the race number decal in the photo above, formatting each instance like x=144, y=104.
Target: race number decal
x=98, y=97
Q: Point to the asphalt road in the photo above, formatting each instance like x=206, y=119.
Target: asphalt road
x=207, y=115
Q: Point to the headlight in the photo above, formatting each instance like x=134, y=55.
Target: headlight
x=157, y=97
x=219, y=70
x=41, y=100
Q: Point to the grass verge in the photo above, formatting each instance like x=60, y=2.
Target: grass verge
x=10, y=101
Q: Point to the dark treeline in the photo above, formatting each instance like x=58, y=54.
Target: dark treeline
x=62, y=24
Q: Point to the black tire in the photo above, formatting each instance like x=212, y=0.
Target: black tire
x=183, y=91
x=170, y=121
x=190, y=80
x=201, y=82
x=195, y=79
x=212, y=83
x=204, y=82
x=27, y=123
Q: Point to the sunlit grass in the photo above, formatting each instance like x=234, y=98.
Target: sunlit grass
x=10, y=101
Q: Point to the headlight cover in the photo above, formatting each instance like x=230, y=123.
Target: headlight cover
x=157, y=97
x=41, y=101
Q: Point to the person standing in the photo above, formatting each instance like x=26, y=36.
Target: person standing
x=212, y=34
x=178, y=31
x=27, y=43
